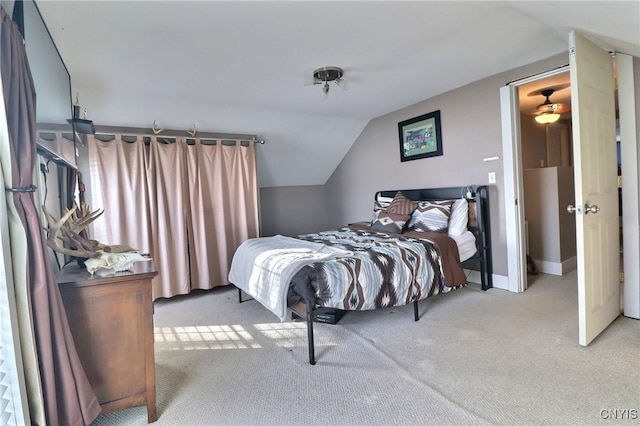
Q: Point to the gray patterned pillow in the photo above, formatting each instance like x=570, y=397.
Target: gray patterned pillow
x=431, y=216
x=389, y=222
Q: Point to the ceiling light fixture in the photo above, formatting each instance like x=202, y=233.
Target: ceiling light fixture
x=547, y=118
x=548, y=111
x=325, y=75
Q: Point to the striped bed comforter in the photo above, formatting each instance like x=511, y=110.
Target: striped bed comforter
x=351, y=268
x=382, y=270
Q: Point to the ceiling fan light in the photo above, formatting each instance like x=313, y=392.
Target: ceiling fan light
x=547, y=118
x=325, y=75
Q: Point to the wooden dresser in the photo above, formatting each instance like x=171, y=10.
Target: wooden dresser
x=111, y=319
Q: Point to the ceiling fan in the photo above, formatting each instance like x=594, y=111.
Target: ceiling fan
x=325, y=75
x=548, y=112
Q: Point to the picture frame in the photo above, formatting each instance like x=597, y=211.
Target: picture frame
x=420, y=137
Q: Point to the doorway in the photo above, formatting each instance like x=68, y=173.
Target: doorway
x=547, y=175
x=512, y=120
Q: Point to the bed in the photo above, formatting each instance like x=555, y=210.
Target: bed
x=415, y=246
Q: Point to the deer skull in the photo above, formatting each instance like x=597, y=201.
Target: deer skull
x=116, y=262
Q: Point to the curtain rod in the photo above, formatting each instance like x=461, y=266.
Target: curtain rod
x=169, y=133
x=176, y=133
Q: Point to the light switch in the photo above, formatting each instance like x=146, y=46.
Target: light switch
x=492, y=177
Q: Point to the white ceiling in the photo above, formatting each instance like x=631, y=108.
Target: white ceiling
x=242, y=67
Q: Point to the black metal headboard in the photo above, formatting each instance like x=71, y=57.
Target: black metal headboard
x=482, y=230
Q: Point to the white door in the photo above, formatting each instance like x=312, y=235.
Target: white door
x=596, y=204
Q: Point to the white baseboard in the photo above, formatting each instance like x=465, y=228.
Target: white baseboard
x=499, y=281
x=557, y=268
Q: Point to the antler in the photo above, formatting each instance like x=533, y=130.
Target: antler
x=78, y=224
x=68, y=229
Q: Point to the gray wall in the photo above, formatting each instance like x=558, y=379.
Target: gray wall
x=471, y=131
x=293, y=210
x=552, y=231
x=534, y=143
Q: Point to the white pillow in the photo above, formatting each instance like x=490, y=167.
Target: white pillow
x=459, y=217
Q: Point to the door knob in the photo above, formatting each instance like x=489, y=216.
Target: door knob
x=591, y=209
x=571, y=209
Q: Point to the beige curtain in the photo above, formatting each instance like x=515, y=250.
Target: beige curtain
x=166, y=176
x=201, y=201
x=223, y=207
x=119, y=186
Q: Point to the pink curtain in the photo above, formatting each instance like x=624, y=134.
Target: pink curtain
x=66, y=392
x=202, y=202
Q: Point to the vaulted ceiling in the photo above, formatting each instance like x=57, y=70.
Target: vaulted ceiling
x=246, y=67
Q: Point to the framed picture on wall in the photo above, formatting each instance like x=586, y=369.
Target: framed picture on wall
x=420, y=137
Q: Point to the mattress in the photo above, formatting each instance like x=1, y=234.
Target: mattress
x=466, y=245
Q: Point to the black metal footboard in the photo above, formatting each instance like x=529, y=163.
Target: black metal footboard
x=310, y=344
x=311, y=310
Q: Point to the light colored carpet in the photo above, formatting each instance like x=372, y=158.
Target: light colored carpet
x=473, y=358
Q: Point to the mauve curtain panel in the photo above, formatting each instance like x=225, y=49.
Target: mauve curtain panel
x=66, y=392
